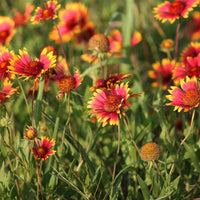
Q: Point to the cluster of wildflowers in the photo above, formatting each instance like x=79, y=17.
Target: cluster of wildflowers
x=73, y=24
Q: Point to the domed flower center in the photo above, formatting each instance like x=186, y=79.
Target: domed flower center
x=33, y=68
x=112, y=103
x=31, y=134
x=66, y=84
x=41, y=151
x=177, y=7
x=4, y=35
x=191, y=98
x=47, y=13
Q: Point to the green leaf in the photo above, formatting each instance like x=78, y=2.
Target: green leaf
x=192, y=155
x=144, y=188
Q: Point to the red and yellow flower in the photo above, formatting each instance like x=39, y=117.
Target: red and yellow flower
x=174, y=10
x=136, y=38
x=109, y=82
x=5, y=57
x=30, y=133
x=47, y=13
x=108, y=105
x=193, y=26
x=43, y=151
x=24, y=66
x=67, y=83
x=6, y=29
x=164, y=70
x=167, y=45
x=192, y=50
x=191, y=69
x=73, y=20
x=21, y=19
x=7, y=90
x=185, y=98
x=115, y=40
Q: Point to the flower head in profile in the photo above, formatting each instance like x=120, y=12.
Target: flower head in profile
x=150, y=151
x=21, y=19
x=164, y=70
x=108, y=105
x=6, y=29
x=185, y=98
x=43, y=150
x=7, y=90
x=109, y=82
x=47, y=13
x=174, y=10
x=24, y=66
x=5, y=56
x=73, y=20
x=30, y=133
x=89, y=58
x=193, y=26
x=136, y=38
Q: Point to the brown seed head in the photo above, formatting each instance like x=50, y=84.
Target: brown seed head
x=99, y=43
x=150, y=151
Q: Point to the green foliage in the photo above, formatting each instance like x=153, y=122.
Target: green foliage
x=91, y=161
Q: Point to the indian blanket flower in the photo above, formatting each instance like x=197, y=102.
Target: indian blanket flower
x=108, y=105
x=89, y=58
x=115, y=40
x=24, y=66
x=65, y=83
x=5, y=56
x=109, y=82
x=150, y=151
x=192, y=50
x=73, y=20
x=43, y=151
x=167, y=45
x=164, y=70
x=174, y=10
x=136, y=38
x=193, y=26
x=30, y=133
x=191, y=69
x=6, y=29
x=185, y=98
x=7, y=90
x=21, y=19
x=47, y=13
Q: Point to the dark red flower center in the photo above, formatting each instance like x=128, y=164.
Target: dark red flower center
x=41, y=152
x=2, y=97
x=47, y=13
x=166, y=78
x=33, y=68
x=4, y=35
x=112, y=103
x=66, y=84
x=191, y=98
x=177, y=7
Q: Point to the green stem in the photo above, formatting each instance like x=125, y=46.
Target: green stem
x=37, y=110
x=184, y=139
x=115, y=163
